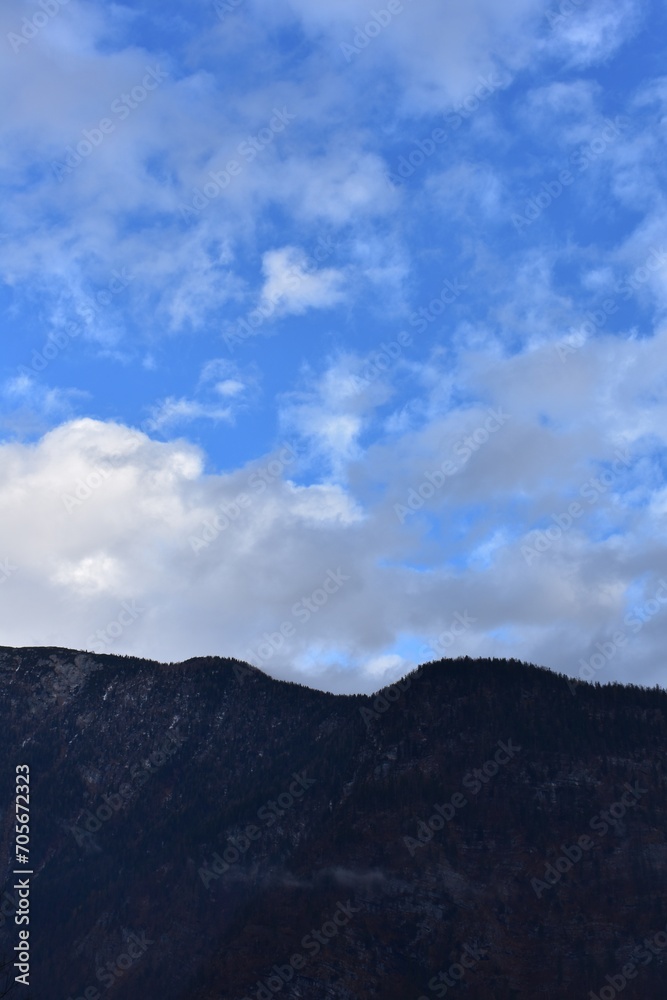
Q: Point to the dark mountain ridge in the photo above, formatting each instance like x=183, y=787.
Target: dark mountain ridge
x=200, y=830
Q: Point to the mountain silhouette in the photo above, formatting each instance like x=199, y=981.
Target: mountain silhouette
x=198, y=830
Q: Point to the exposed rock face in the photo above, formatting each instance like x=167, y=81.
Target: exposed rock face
x=201, y=831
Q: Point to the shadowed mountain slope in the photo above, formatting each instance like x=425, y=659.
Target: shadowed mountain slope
x=200, y=831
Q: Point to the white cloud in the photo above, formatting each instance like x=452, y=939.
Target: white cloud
x=219, y=379
x=593, y=30
x=218, y=563
x=31, y=407
x=565, y=111
x=342, y=186
x=94, y=514
x=471, y=191
x=438, y=54
x=324, y=168
x=291, y=287
x=331, y=411
x=171, y=412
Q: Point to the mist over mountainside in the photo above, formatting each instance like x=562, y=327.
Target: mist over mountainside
x=201, y=831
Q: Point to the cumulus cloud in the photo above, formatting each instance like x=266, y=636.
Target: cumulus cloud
x=448, y=537
x=346, y=554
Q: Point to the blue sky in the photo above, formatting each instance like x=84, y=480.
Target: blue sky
x=335, y=304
